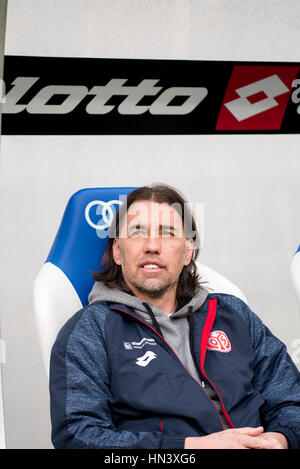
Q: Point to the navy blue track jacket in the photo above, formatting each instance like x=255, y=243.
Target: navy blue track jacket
x=116, y=383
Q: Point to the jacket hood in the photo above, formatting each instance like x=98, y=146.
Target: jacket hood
x=101, y=292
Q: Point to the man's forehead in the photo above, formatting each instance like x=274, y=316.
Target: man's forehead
x=149, y=212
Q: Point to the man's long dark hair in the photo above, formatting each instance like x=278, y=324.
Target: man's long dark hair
x=111, y=274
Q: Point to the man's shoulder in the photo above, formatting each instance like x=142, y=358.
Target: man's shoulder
x=229, y=300
x=81, y=340
x=90, y=317
x=233, y=305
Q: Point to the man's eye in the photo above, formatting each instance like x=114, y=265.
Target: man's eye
x=137, y=234
x=167, y=234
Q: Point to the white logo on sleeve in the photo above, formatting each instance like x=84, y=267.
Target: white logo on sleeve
x=146, y=358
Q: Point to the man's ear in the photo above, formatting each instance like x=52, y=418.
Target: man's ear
x=189, y=248
x=116, y=251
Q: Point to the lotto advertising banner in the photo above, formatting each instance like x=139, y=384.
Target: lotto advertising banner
x=71, y=96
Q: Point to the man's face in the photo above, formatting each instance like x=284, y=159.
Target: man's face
x=152, y=249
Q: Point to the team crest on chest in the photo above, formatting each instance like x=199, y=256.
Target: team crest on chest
x=218, y=342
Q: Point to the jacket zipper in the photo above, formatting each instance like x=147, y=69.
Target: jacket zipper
x=202, y=387
x=212, y=309
x=202, y=375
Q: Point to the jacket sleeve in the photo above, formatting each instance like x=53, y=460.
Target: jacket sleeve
x=80, y=392
x=277, y=379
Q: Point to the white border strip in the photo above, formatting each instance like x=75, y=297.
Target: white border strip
x=2, y=425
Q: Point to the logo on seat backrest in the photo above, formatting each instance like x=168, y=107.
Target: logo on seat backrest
x=106, y=210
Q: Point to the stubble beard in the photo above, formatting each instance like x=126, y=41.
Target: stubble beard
x=153, y=289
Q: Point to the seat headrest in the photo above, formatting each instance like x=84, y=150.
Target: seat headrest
x=83, y=235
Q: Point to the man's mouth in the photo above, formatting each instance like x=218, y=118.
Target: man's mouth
x=151, y=266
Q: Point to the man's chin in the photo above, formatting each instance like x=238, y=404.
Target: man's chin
x=154, y=294
x=153, y=291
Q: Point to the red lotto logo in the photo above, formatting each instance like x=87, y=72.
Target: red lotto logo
x=256, y=97
x=219, y=342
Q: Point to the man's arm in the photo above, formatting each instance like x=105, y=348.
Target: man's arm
x=238, y=438
x=80, y=392
x=276, y=378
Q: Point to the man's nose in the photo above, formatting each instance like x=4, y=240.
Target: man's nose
x=152, y=243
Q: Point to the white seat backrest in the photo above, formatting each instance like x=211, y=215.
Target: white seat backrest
x=55, y=301
x=295, y=269
x=2, y=426
x=217, y=283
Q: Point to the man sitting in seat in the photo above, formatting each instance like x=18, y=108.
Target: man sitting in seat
x=156, y=361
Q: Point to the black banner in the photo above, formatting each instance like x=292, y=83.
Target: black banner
x=86, y=96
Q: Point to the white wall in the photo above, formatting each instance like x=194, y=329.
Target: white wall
x=249, y=184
